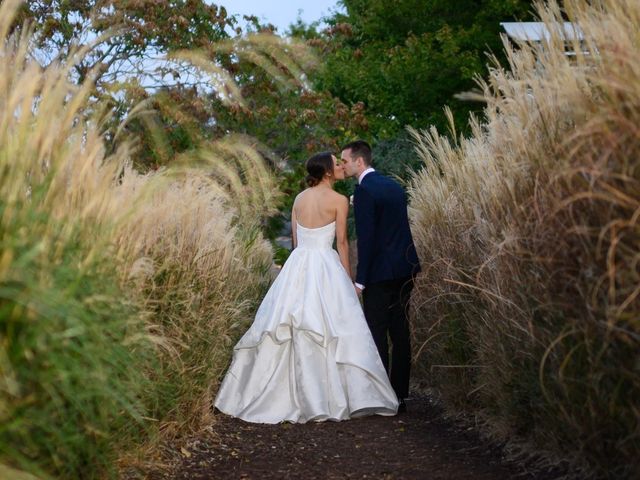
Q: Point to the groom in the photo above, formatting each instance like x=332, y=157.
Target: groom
x=387, y=261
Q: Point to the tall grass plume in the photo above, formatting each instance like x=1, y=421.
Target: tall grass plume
x=121, y=294
x=527, y=312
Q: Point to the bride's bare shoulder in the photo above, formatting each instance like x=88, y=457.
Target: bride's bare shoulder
x=338, y=197
x=299, y=196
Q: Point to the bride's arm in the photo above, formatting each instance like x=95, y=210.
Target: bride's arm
x=342, y=242
x=294, y=230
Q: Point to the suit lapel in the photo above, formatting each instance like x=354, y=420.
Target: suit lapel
x=368, y=176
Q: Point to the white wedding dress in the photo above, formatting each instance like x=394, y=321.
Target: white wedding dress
x=309, y=355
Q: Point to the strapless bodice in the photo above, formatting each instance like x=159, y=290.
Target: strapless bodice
x=321, y=237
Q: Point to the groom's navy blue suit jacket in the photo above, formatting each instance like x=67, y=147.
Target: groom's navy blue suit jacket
x=385, y=246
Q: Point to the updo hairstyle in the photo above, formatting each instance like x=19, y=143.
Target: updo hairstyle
x=317, y=167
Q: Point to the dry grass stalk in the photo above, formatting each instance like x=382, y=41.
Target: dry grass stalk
x=121, y=293
x=529, y=236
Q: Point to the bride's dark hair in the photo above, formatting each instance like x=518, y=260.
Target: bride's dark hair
x=317, y=167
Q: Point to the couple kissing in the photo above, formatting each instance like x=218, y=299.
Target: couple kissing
x=314, y=352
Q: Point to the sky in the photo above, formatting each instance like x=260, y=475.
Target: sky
x=281, y=12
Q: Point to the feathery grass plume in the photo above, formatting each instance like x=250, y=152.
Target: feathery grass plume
x=120, y=294
x=72, y=341
x=201, y=272
x=199, y=259
x=527, y=312
x=284, y=59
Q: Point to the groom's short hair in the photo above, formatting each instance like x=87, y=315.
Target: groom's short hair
x=359, y=148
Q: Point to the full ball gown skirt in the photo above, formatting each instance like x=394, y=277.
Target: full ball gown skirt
x=309, y=354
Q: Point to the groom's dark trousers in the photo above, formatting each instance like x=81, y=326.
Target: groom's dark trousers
x=387, y=262
x=385, y=308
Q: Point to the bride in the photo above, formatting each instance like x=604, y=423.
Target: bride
x=309, y=354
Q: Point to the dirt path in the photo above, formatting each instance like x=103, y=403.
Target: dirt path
x=418, y=444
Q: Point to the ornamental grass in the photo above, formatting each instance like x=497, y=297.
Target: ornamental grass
x=121, y=294
x=527, y=311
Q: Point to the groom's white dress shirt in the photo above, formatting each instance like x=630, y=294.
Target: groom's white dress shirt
x=360, y=177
